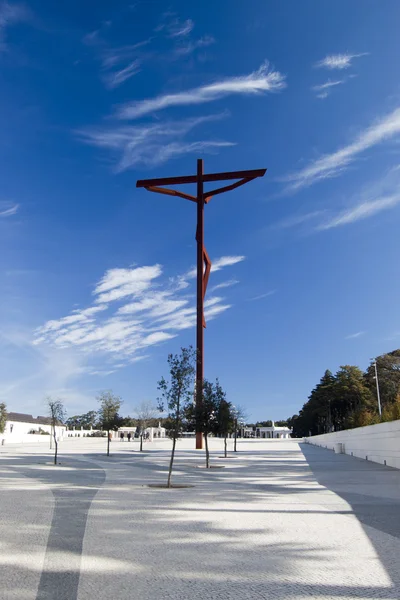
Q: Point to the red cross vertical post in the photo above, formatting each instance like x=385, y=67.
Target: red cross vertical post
x=203, y=262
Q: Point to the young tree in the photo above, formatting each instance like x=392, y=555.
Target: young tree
x=206, y=415
x=145, y=413
x=3, y=417
x=176, y=396
x=110, y=405
x=57, y=415
x=227, y=415
x=226, y=422
x=240, y=417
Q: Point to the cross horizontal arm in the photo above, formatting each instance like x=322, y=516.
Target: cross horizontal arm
x=252, y=174
x=146, y=183
x=167, y=192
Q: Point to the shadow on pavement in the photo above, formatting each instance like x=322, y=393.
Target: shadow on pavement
x=371, y=490
x=74, y=484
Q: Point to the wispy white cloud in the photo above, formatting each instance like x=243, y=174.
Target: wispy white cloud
x=10, y=14
x=111, y=56
x=173, y=26
x=295, y=220
x=361, y=211
x=177, y=28
x=266, y=295
x=134, y=309
x=331, y=165
x=377, y=196
x=179, y=33
x=119, y=283
x=152, y=143
x=8, y=210
x=323, y=90
x=338, y=61
x=115, y=78
x=226, y=261
x=260, y=81
x=224, y=284
x=353, y=336
x=217, y=265
x=149, y=302
x=92, y=38
x=102, y=373
x=328, y=84
x=121, y=63
x=118, y=63
x=186, y=317
x=189, y=46
x=77, y=316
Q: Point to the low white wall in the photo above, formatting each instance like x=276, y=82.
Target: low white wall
x=27, y=438
x=378, y=443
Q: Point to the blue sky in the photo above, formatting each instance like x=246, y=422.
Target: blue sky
x=96, y=276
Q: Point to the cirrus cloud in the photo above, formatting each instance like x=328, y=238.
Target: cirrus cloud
x=152, y=144
x=261, y=81
x=331, y=165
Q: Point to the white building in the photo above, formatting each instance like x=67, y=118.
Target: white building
x=150, y=432
x=26, y=428
x=272, y=432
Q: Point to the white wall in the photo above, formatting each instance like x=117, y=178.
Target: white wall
x=378, y=443
x=16, y=432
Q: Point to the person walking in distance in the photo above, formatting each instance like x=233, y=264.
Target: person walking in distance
x=122, y=436
x=129, y=437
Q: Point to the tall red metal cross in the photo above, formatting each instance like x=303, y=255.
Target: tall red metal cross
x=203, y=260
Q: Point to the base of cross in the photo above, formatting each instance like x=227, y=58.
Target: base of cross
x=199, y=440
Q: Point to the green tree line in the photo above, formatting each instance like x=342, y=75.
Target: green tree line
x=349, y=398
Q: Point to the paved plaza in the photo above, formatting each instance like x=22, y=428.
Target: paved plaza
x=283, y=520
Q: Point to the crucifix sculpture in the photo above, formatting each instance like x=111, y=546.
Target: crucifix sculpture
x=203, y=260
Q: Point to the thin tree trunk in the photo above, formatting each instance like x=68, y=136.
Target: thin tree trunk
x=207, y=452
x=226, y=450
x=108, y=443
x=176, y=433
x=56, y=447
x=171, y=462
x=141, y=442
x=235, y=435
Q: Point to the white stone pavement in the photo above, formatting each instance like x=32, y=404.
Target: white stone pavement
x=282, y=520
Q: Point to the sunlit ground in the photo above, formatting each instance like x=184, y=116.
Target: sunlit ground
x=282, y=520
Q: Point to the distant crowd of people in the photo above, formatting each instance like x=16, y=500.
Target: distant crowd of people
x=146, y=436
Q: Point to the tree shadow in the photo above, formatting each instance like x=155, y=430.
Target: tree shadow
x=73, y=485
